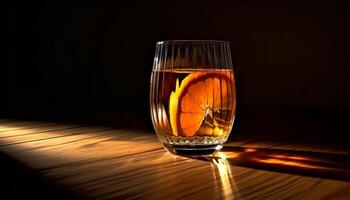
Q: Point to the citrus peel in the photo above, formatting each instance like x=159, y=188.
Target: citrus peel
x=200, y=94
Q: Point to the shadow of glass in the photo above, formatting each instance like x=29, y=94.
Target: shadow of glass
x=313, y=164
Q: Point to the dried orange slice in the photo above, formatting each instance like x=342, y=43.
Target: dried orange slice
x=201, y=94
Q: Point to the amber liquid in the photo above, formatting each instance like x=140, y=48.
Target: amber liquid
x=193, y=104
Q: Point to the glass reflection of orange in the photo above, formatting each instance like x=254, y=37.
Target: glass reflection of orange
x=200, y=94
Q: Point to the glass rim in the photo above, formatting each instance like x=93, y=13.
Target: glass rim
x=192, y=42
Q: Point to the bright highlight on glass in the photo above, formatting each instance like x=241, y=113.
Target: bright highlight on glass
x=192, y=96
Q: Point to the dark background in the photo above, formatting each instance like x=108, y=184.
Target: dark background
x=91, y=62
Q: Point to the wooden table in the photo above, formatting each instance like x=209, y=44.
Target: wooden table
x=110, y=163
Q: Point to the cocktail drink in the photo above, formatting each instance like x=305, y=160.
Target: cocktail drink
x=192, y=95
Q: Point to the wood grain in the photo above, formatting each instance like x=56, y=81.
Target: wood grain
x=110, y=163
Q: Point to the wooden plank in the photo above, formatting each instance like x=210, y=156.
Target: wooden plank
x=105, y=163
x=150, y=175
x=18, y=137
x=10, y=125
x=84, y=144
x=27, y=131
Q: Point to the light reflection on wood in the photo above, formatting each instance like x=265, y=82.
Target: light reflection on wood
x=222, y=171
x=319, y=164
x=105, y=163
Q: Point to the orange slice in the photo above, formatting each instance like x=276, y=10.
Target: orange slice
x=199, y=96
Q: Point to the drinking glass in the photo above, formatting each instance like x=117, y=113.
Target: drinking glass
x=192, y=95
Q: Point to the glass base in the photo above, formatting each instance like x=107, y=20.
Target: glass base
x=191, y=150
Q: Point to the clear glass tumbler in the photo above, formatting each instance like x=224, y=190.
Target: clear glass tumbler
x=192, y=95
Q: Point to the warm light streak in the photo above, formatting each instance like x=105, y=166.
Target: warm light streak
x=222, y=167
x=250, y=150
x=276, y=161
x=299, y=158
x=226, y=155
x=76, y=144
